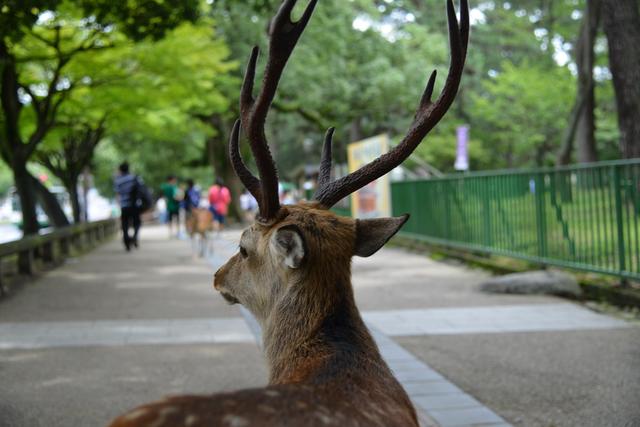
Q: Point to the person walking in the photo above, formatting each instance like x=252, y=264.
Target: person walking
x=125, y=185
x=190, y=202
x=219, y=199
x=170, y=193
x=191, y=199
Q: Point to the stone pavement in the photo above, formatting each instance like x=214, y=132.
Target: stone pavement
x=108, y=331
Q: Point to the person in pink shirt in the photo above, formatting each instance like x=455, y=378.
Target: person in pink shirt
x=219, y=199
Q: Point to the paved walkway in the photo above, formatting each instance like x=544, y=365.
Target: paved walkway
x=108, y=331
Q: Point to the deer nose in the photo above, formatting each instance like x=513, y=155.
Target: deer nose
x=217, y=277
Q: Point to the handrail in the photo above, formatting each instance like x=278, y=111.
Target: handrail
x=529, y=171
x=35, y=251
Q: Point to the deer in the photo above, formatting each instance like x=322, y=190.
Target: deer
x=292, y=271
x=200, y=225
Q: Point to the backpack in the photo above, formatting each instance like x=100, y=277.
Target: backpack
x=192, y=197
x=141, y=196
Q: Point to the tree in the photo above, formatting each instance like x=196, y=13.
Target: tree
x=156, y=134
x=360, y=80
x=188, y=74
x=585, y=99
x=71, y=158
x=33, y=80
x=524, y=112
x=621, y=20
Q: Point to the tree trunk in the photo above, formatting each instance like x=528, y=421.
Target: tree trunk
x=22, y=181
x=564, y=154
x=49, y=203
x=585, y=59
x=72, y=188
x=86, y=186
x=621, y=20
x=12, y=151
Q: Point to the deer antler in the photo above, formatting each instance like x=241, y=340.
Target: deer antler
x=427, y=116
x=284, y=35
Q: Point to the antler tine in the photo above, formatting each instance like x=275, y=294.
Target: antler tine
x=428, y=93
x=324, y=175
x=250, y=182
x=427, y=116
x=246, y=92
x=264, y=190
x=284, y=35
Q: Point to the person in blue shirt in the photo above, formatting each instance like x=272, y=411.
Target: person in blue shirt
x=191, y=197
x=125, y=185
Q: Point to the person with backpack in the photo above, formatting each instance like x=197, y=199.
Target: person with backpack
x=134, y=199
x=191, y=199
x=190, y=202
x=219, y=199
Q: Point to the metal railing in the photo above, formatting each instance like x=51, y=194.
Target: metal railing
x=29, y=254
x=583, y=217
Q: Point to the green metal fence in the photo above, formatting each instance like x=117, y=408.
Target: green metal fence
x=583, y=217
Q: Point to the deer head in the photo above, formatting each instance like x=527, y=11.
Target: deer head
x=297, y=246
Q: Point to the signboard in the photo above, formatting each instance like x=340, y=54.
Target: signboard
x=462, y=150
x=372, y=200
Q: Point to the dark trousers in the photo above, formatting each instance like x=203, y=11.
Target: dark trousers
x=130, y=217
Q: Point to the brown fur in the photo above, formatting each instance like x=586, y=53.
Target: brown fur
x=324, y=367
x=200, y=225
x=199, y=221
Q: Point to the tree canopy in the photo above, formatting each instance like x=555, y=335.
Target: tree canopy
x=161, y=79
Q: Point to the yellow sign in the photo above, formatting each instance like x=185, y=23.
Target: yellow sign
x=372, y=200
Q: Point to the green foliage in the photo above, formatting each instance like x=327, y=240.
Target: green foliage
x=371, y=77
x=135, y=18
x=607, y=131
x=148, y=93
x=6, y=179
x=16, y=15
x=164, y=75
x=177, y=79
x=523, y=114
x=139, y=19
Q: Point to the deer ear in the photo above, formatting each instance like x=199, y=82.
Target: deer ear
x=289, y=244
x=372, y=234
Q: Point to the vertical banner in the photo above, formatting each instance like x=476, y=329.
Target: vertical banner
x=373, y=199
x=462, y=151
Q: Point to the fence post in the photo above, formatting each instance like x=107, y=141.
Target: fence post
x=25, y=262
x=48, y=254
x=64, y=247
x=541, y=220
x=617, y=192
x=448, y=214
x=486, y=211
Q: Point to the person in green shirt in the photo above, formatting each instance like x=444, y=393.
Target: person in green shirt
x=170, y=193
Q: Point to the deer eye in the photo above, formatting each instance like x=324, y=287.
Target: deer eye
x=243, y=252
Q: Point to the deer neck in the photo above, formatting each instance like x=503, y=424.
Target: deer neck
x=314, y=324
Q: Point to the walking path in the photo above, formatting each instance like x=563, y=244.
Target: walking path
x=108, y=331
